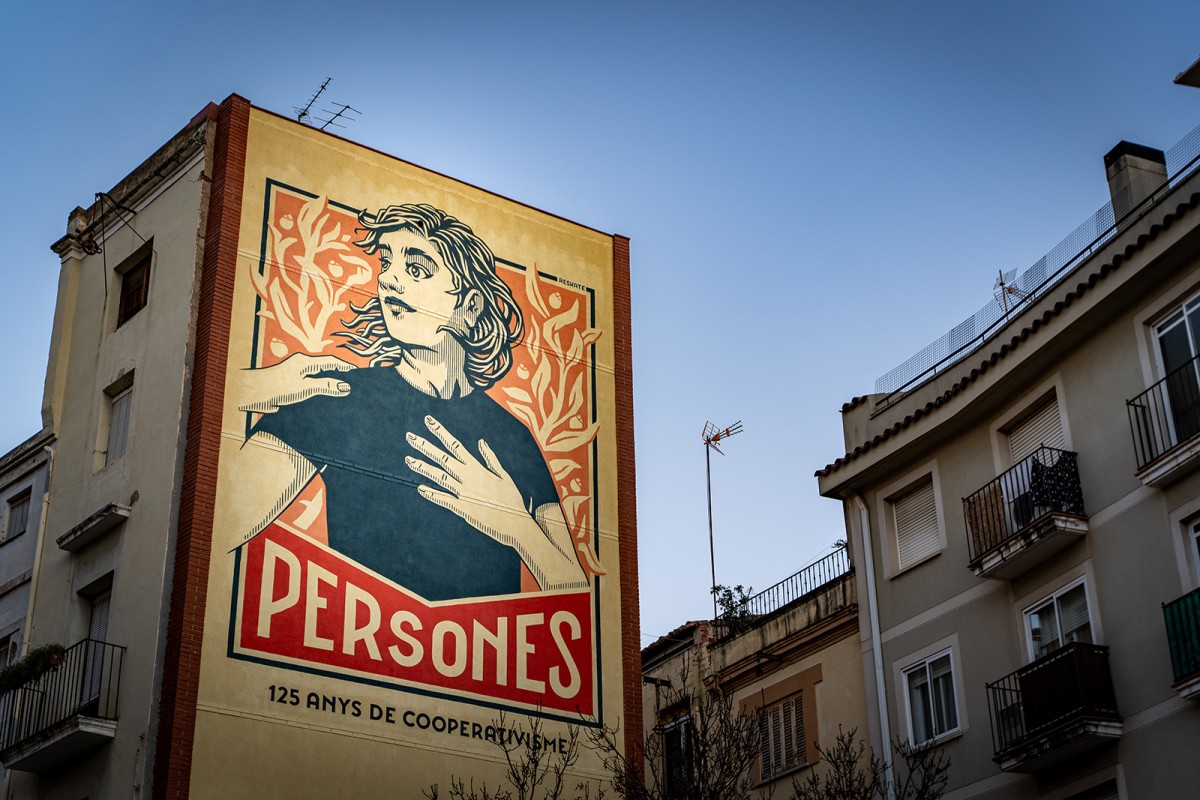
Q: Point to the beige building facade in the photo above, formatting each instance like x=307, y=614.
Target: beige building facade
x=1022, y=507
x=791, y=666
x=343, y=480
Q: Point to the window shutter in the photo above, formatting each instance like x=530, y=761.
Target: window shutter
x=98, y=628
x=1044, y=427
x=764, y=743
x=776, y=739
x=916, y=525
x=18, y=517
x=118, y=428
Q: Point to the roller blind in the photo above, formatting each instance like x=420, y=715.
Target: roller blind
x=916, y=525
x=1044, y=427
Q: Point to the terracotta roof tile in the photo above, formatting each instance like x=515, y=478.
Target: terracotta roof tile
x=1015, y=341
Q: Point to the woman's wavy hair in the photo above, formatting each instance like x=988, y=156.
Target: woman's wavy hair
x=498, y=328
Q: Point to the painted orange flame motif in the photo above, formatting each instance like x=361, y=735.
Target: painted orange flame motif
x=313, y=271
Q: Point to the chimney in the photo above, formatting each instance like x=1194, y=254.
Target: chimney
x=1134, y=173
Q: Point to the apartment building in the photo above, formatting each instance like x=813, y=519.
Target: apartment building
x=1023, y=505
x=24, y=475
x=787, y=661
x=343, y=472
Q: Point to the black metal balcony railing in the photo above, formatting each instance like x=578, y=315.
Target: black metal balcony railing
x=812, y=577
x=1072, y=684
x=85, y=683
x=1167, y=414
x=1183, y=635
x=1045, y=482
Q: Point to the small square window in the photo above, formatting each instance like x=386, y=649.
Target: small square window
x=932, y=702
x=120, y=415
x=135, y=288
x=17, y=518
x=10, y=646
x=781, y=736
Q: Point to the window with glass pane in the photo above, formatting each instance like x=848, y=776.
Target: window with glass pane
x=1059, y=620
x=677, y=757
x=932, y=706
x=135, y=289
x=1179, y=344
x=118, y=427
x=1196, y=547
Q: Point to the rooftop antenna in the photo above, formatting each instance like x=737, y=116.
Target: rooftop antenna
x=1004, y=289
x=303, y=113
x=343, y=111
x=712, y=438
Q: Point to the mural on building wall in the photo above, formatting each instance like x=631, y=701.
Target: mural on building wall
x=420, y=497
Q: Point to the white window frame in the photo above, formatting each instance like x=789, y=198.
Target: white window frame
x=1050, y=390
x=788, y=761
x=898, y=490
x=1193, y=547
x=1052, y=597
x=923, y=664
x=10, y=647
x=1183, y=539
x=25, y=494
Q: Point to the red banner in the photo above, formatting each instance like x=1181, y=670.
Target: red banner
x=302, y=604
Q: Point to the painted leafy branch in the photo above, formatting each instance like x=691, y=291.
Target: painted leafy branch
x=554, y=406
x=310, y=267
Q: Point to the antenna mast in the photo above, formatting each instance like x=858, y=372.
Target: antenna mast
x=302, y=112
x=712, y=438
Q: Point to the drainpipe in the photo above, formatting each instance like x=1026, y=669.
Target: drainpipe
x=885, y=728
x=37, y=553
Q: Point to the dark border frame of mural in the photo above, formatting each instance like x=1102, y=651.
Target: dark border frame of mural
x=597, y=657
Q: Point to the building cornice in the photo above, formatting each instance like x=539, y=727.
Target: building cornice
x=1027, y=326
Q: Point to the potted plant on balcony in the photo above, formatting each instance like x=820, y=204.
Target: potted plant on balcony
x=37, y=662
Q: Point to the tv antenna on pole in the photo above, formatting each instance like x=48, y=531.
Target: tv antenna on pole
x=712, y=438
x=340, y=111
x=1004, y=289
x=303, y=113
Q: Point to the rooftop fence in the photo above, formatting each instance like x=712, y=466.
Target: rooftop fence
x=1094, y=232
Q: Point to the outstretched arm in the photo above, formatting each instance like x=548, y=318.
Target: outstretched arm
x=483, y=494
x=290, y=381
x=265, y=475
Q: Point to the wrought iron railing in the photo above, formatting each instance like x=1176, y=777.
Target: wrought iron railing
x=85, y=682
x=1045, y=482
x=1070, y=685
x=809, y=579
x=1183, y=635
x=1035, y=281
x=1167, y=414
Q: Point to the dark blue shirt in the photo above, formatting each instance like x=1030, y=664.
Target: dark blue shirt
x=373, y=510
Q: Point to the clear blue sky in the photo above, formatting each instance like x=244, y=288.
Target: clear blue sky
x=813, y=192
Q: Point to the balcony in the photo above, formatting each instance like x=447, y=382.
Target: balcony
x=64, y=712
x=1026, y=515
x=1183, y=636
x=1165, y=422
x=1058, y=706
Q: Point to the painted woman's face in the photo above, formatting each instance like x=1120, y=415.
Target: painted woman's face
x=416, y=290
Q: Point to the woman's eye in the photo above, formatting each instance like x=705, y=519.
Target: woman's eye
x=417, y=271
x=384, y=264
